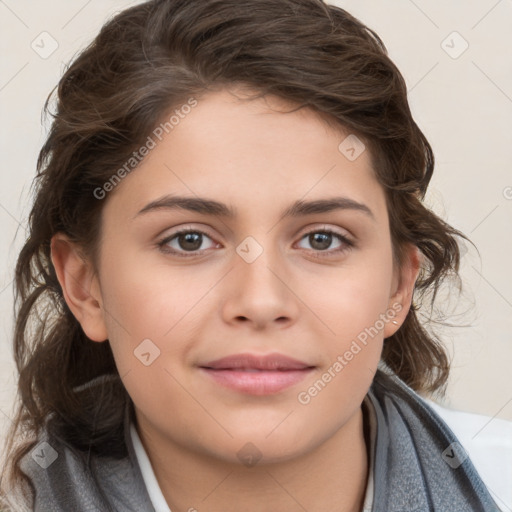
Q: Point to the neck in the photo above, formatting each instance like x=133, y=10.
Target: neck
x=333, y=476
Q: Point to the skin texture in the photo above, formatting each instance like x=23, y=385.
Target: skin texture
x=293, y=298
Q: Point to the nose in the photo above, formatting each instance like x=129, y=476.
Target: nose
x=259, y=292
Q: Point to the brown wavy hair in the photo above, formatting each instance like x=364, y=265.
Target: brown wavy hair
x=146, y=61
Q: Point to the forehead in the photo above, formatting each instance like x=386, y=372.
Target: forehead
x=251, y=153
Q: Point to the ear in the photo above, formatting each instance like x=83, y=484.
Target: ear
x=80, y=286
x=404, y=279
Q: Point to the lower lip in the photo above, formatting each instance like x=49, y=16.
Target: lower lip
x=258, y=383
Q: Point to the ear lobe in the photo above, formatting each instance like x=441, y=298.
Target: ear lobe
x=77, y=279
x=402, y=294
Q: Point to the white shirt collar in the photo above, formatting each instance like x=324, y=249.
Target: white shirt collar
x=368, y=499
x=154, y=491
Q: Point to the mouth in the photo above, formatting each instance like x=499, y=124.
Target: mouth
x=257, y=375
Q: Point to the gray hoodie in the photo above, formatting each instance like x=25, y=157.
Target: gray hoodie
x=418, y=465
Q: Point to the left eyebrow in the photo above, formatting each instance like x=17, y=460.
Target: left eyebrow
x=297, y=209
x=301, y=208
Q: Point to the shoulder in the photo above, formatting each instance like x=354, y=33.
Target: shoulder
x=420, y=464
x=67, y=478
x=488, y=442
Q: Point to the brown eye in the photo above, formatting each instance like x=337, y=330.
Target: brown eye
x=322, y=241
x=190, y=241
x=183, y=242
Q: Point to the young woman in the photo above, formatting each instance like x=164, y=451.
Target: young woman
x=215, y=302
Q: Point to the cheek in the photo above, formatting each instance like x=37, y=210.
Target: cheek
x=148, y=327
x=352, y=307
x=135, y=294
x=151, y=301
x=352, y=298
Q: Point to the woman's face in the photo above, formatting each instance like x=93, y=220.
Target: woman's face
x=302, y=267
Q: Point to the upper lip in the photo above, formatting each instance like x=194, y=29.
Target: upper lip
x=273, y=361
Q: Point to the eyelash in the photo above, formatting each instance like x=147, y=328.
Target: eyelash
x=347, y=244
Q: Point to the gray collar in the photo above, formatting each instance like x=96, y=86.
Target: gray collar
x=418, y=464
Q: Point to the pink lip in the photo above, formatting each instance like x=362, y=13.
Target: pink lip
x=274, y=372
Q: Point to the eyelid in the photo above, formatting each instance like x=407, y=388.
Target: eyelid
x=325, y=227
x=172, y=232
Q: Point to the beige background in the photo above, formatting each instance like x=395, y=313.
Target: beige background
x=462, y=100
